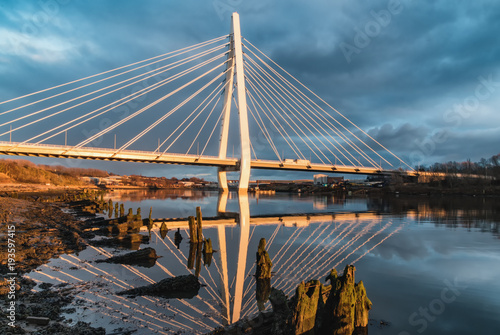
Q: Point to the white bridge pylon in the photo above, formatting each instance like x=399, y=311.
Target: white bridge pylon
x=235, y=66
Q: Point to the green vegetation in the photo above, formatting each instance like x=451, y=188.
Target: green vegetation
x=23, y=171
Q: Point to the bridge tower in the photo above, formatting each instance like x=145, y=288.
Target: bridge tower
x=235, y=67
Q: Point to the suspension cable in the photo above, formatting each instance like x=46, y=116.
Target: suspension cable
x=119, y=68
x=322, y=119
x=282, y=100
x=365, y=133
x=299, y=154
x=113, y=76
x=143, y=109
x=192, y=96
x=102, y=95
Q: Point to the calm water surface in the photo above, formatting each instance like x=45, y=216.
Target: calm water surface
x=430, y=265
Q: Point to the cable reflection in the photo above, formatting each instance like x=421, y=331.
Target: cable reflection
x=308, y=247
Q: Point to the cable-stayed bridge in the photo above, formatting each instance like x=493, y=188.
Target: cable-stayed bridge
x=179, y=108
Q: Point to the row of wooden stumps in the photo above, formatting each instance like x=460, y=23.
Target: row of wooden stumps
x=340, y=308
x=198, y=246
x=195, y=227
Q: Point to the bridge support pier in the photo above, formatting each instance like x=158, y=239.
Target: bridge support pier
x=235, y=68
x=222, y=178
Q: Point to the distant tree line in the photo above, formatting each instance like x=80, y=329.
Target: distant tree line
x=160, y=182
x=485, y=166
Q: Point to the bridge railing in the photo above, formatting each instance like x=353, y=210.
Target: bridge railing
x=70, y=148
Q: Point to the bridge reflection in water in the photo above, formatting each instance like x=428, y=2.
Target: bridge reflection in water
x=308, y=246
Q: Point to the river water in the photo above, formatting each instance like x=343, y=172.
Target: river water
x=430, y=265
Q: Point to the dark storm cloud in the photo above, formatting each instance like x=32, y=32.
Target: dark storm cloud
x=398, y=138
x=427, y=52
x=399, y=85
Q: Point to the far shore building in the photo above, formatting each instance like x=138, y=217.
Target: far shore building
x=320, y=179
x=323, y=179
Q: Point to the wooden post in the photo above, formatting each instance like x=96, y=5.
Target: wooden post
x=208, y=246
x=163, y=229
x=130, y=215
x=264, y=263
x=198, y=259
x=193, y=231
x=193, y=247
x=207, y=252
x=199, y=224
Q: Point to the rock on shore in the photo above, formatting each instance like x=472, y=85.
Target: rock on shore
x=42, y=232
x=144, y=257
x=180, y=287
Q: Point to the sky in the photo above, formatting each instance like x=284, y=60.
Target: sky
x=423, y=78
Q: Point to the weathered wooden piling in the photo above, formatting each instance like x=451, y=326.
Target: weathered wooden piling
x=344, y=309
x=199, y=246
x=193, y=230
x=163, y=230
x=262, y=292
x=263, y=275
x=199, y=224
x=207, y=252
x=177, y=238
x=130, y=215
x=208, y=246
x=264, y=263
x=193, y=248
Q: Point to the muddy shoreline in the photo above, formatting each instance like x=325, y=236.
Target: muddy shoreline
x=35, y=232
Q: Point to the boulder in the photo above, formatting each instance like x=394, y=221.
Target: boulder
x=180, y=287
x=144, y=257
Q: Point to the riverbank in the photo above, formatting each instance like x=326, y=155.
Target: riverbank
x=34, y=233
x=40, y=188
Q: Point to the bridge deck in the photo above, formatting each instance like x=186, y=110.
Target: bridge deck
x=58, y=151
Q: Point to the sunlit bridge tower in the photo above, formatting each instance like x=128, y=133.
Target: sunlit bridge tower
x=235, y=68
